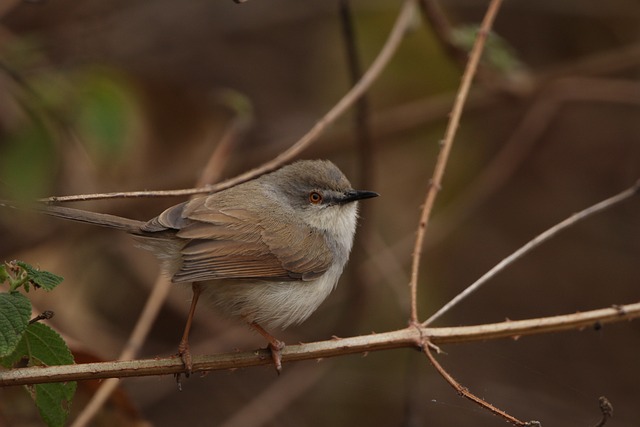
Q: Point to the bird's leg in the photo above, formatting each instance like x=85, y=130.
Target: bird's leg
x=183, y=349
x=275, y=345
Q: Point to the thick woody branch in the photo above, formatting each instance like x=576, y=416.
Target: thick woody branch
x=403, y=338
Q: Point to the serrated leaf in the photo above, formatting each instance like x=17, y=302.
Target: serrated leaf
x=54, y=401
x=15, y=311
x=44, y=279
x=42, y=346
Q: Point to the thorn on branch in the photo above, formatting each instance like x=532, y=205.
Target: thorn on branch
x=607, y=411
x=434, y=185
x=435, y=347
x=421, y=340
x=620, y=309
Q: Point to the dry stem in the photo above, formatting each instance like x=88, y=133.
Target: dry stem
x=443, y=156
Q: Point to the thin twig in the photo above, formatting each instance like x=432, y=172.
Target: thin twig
x=539, y=239
x=408, y=337
x=443, y=156
x=45, y=315
x=464, y=392
x=369, y=77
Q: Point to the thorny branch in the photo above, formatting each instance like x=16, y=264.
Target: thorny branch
x=403, y=338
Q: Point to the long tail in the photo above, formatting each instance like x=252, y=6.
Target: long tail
x=102, y=220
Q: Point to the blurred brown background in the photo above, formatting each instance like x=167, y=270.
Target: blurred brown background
x=120, y=95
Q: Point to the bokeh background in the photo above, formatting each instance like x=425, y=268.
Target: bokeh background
x=116, y=96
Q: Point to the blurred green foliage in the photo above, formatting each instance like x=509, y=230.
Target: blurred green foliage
x=104, y=113
x=89, y=108
x=27, y=165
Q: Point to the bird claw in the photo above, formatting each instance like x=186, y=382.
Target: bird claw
x=185, y=354
x=275, y=347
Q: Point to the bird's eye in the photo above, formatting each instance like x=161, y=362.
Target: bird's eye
x=315, y=197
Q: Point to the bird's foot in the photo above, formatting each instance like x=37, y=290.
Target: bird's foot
x=276, y=347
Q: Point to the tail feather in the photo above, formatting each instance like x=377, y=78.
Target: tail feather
x=103, y=220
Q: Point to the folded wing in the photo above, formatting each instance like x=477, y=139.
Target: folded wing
x=231, y=243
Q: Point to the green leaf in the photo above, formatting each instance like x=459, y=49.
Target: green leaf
x=44, y=279
x=54, y=401
x=42, y=346
x=15, y=310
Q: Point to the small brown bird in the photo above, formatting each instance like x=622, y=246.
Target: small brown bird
x=269, y=250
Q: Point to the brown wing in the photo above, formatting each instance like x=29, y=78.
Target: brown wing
x=228, y=243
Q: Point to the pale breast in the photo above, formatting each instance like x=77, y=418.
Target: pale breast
x=273, y=304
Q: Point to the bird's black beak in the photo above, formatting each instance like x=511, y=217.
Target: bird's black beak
x=353, y=195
